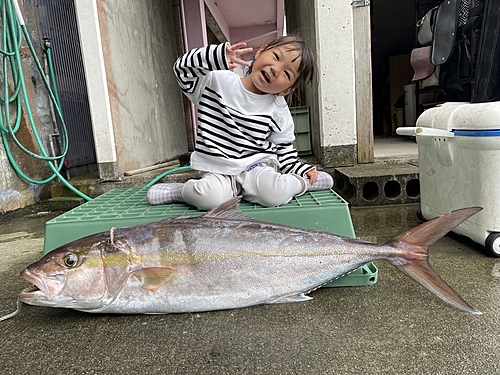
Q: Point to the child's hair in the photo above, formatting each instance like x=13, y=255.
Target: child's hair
x=307, y=66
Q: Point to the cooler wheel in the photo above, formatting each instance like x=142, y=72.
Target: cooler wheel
x=493, y=244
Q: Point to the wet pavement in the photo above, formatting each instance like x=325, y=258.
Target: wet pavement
x=392, y=327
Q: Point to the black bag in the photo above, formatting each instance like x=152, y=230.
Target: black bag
x=485, y=86
x=458, y=71
x=455, y=76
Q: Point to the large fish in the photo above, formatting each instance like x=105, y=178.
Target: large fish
x=222, y=260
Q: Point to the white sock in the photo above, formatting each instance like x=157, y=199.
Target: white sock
x=165, y=193
x=325, y=182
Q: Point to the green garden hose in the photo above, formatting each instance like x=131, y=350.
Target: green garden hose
x=14, y=95
x=172, y=171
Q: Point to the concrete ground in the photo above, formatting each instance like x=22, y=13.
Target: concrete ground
x=392, y=327
x=390, y=150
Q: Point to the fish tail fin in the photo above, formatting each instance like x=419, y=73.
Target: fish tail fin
x=414, y=262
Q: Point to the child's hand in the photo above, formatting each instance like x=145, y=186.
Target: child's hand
x=312, y=176
x=235, y=50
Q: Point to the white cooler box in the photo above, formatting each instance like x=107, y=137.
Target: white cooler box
x=459, y=157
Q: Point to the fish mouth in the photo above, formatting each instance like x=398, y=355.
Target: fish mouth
x=36, y=291
x=30, y=292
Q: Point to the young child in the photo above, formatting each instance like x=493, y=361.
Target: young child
x=245, y=129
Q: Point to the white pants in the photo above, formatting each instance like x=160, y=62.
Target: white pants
x=260, y=184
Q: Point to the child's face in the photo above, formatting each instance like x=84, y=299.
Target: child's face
x=274, y=71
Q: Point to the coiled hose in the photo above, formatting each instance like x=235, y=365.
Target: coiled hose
x=14, y=95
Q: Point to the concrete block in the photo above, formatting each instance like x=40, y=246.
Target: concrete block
x=378, y=184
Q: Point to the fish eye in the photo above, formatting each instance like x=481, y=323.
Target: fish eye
x=70, y=260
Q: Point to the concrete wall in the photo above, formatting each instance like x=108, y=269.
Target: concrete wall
x=301, y=20
x=143, y=118
x=137, y=107
x=333, y=103
x=15, y=192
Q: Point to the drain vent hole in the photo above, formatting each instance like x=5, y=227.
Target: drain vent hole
x=392, y=189
x=413, y=188
x=370, y=191
x=349, y=192
x=339, y=184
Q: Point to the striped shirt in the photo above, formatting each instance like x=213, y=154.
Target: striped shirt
x=236, y=128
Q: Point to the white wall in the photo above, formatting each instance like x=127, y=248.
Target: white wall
x=326, y=25
x=336, y=64
x=135, y=102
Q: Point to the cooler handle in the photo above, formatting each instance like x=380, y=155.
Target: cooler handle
x=425, y=132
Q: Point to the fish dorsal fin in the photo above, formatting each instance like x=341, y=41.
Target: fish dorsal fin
x=228, y=210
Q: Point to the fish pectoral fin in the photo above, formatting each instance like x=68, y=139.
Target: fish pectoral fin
x=294, y=298
x=155, y=277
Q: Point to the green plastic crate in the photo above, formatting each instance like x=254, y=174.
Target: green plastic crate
x=120, y=208
x=302, y=130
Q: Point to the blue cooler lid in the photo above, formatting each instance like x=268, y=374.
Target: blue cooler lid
x=476, y=133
